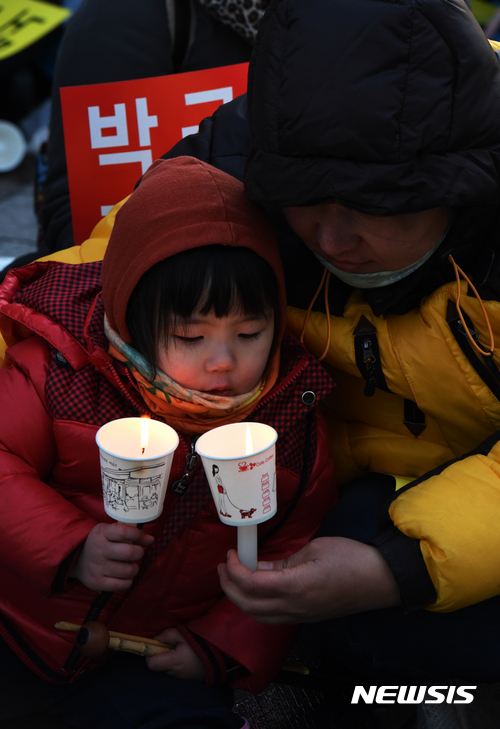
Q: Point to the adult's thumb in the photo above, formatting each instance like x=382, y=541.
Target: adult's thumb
x=278, y=565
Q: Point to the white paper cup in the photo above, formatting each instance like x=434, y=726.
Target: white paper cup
x=241, y=474
x=12, y=146
x=134, y=482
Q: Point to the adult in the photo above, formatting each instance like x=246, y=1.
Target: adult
x=374, y=145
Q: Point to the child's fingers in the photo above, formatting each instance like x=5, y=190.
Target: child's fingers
x=171, y=636
x=120, y=532
x=168, y=661
x=181, y=662
x=109, y=584
x=123, y=552
x=145, y=540
x=120, y=570
x=159, y=662
x=110, y=556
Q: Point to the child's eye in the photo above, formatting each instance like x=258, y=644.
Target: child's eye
x=188, y=340
x=254, y=335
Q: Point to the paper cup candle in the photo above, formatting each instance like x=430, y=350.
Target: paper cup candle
x=136, y=456
x=240, y=463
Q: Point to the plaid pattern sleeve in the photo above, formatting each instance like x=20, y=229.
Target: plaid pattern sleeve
x=64, y=294
x=69, y=297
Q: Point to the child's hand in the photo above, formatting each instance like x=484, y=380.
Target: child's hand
x=108, y=560
x=181, y=661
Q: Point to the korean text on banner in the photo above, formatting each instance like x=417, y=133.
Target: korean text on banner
x=23, y=22
x=114, y=131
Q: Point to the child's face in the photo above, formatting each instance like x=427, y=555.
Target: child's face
x=224, y=356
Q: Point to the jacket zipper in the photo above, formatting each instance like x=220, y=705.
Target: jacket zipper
x=368, y=357
x=112, y=376
x=179, y=487
x=192, y=460
x=370, y=362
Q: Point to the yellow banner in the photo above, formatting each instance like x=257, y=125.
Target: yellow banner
x=23, y=22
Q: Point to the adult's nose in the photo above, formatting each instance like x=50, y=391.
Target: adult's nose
x=337, y=232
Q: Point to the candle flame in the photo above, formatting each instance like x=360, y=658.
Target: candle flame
x=249, y=443
x=144, y=433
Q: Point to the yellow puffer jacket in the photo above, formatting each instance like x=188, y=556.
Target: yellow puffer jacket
x=454, y=513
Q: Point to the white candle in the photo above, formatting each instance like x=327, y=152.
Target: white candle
x=247, y=546
x=247, y=542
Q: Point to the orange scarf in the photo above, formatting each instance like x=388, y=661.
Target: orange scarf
x=189, y=411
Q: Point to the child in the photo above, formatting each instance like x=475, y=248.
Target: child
x=189, y=329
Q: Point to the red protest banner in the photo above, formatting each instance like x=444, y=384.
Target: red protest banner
x=114, y=131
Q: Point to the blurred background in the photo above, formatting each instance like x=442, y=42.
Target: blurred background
x=25, y=86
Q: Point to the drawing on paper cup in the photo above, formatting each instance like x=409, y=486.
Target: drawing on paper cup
x=223, y=495
x=122, y=491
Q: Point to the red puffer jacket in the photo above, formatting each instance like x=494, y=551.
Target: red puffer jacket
x=58, y=386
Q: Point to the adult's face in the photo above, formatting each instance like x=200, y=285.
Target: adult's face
x=359, y=243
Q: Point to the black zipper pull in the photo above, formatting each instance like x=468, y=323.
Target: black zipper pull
x=179, y=487
x=367, y=355
x=369, y=360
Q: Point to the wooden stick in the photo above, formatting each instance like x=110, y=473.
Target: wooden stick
x=73, y=627
x=149, y=646
x=140, y=648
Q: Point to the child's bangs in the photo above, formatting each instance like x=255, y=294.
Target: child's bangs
x=235, y=281
x=224, y=280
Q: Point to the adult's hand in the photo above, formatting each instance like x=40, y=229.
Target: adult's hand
x=328, y=578
x=108, y=560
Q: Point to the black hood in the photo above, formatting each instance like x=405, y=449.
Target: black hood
x=384, y=106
